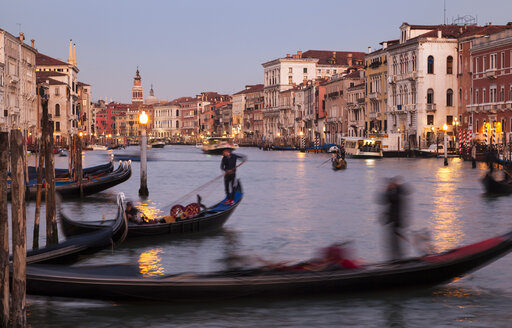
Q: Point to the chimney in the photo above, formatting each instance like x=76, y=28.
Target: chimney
x=22, y=37
x=299, y=53
x=74, y=55
x=384, y=45
x=349, y=59
x=70, y=56
x=439, y=34
x=288, y=56
x=33, y=42
x=369, y=49
x=334, y=54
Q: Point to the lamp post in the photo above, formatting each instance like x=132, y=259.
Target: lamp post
x=445, y=127
x=143, y=190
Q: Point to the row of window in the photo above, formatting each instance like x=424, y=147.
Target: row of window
x=492, y=95
x=491, y=62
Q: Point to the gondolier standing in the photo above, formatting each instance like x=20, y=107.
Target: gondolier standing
x=228, y=165
x=393, y=198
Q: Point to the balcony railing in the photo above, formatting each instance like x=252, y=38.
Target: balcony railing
x=374, y=95
x=431, y=107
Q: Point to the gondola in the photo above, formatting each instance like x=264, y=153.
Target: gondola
x=210, y=219
x=64, y=173
x=338, y=164
x=77, y=247
x=91, y=184
x=492, y=186
x=124, y=282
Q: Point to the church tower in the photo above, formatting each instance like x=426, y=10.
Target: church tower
x=137, y=89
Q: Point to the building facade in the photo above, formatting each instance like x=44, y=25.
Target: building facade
x=18, y=105
x=490, y=110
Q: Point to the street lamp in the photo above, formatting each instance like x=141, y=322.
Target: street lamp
x=143, y=190
x=445, y=128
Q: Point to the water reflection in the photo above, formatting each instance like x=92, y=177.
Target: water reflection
x=394, y=315
x=447, y=232
x=150, y=263
x=150, y=209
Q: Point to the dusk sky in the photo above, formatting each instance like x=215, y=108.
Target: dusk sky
x=185, y=47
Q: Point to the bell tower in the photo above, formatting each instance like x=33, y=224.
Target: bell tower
x=137, y=89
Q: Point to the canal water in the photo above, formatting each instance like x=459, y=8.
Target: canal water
x=292, y=206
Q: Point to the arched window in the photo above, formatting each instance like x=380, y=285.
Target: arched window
x=406, y=96
x=57, y=110
x=449, y=97
x=449, y=65
x=402, y=64
x=430, y=96
x=430, y=65
x=414, y=62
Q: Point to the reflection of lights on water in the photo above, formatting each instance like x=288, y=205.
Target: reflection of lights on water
x=447, y=232
x=301, y=155
x=150, y=263
x=150, y=210
x=454, y=292
x=369, y=162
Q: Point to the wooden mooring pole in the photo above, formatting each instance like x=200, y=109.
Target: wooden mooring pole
x=37, y=216
x=49, y=174
x=4, y=230
x=19, y=247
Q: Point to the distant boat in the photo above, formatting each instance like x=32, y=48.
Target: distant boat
x=216, y=145
x=158, y=144
x=363, y=147
x=99, y=147
x=63, y=153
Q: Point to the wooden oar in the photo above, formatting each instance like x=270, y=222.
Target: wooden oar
x=324, y=162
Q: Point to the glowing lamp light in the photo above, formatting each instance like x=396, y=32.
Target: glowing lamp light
x=445, y=127
x=143, y=118
x=301, y=133
x=80, y=134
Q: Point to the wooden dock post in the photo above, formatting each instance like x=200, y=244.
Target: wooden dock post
x=51, y=217
x=37, y=216
x=19, y=247
x=4, y=230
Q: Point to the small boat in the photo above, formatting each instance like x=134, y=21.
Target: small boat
x=77, y=247
x=158, y=143
x=64, y=173
x=115, y=282
x=275, y=147
x=63, y=153
x=325, y=148
x=210, y=219
x=216, y=145
x=89, y=185
x=99, y=147
x=493, y=186
x=363, y=147
x=338, y=164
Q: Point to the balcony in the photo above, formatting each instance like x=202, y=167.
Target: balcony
x=431, y=108
x=490, y=73
x=360, y=100
x=374, y=95
x=410, y=76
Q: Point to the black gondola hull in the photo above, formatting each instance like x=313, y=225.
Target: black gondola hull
x=418, y=273
x=493, y=186
x=208, y=221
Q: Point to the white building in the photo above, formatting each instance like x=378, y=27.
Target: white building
x=284, y=73
x=18, y=100
x=166, y=119
x=422, y=82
